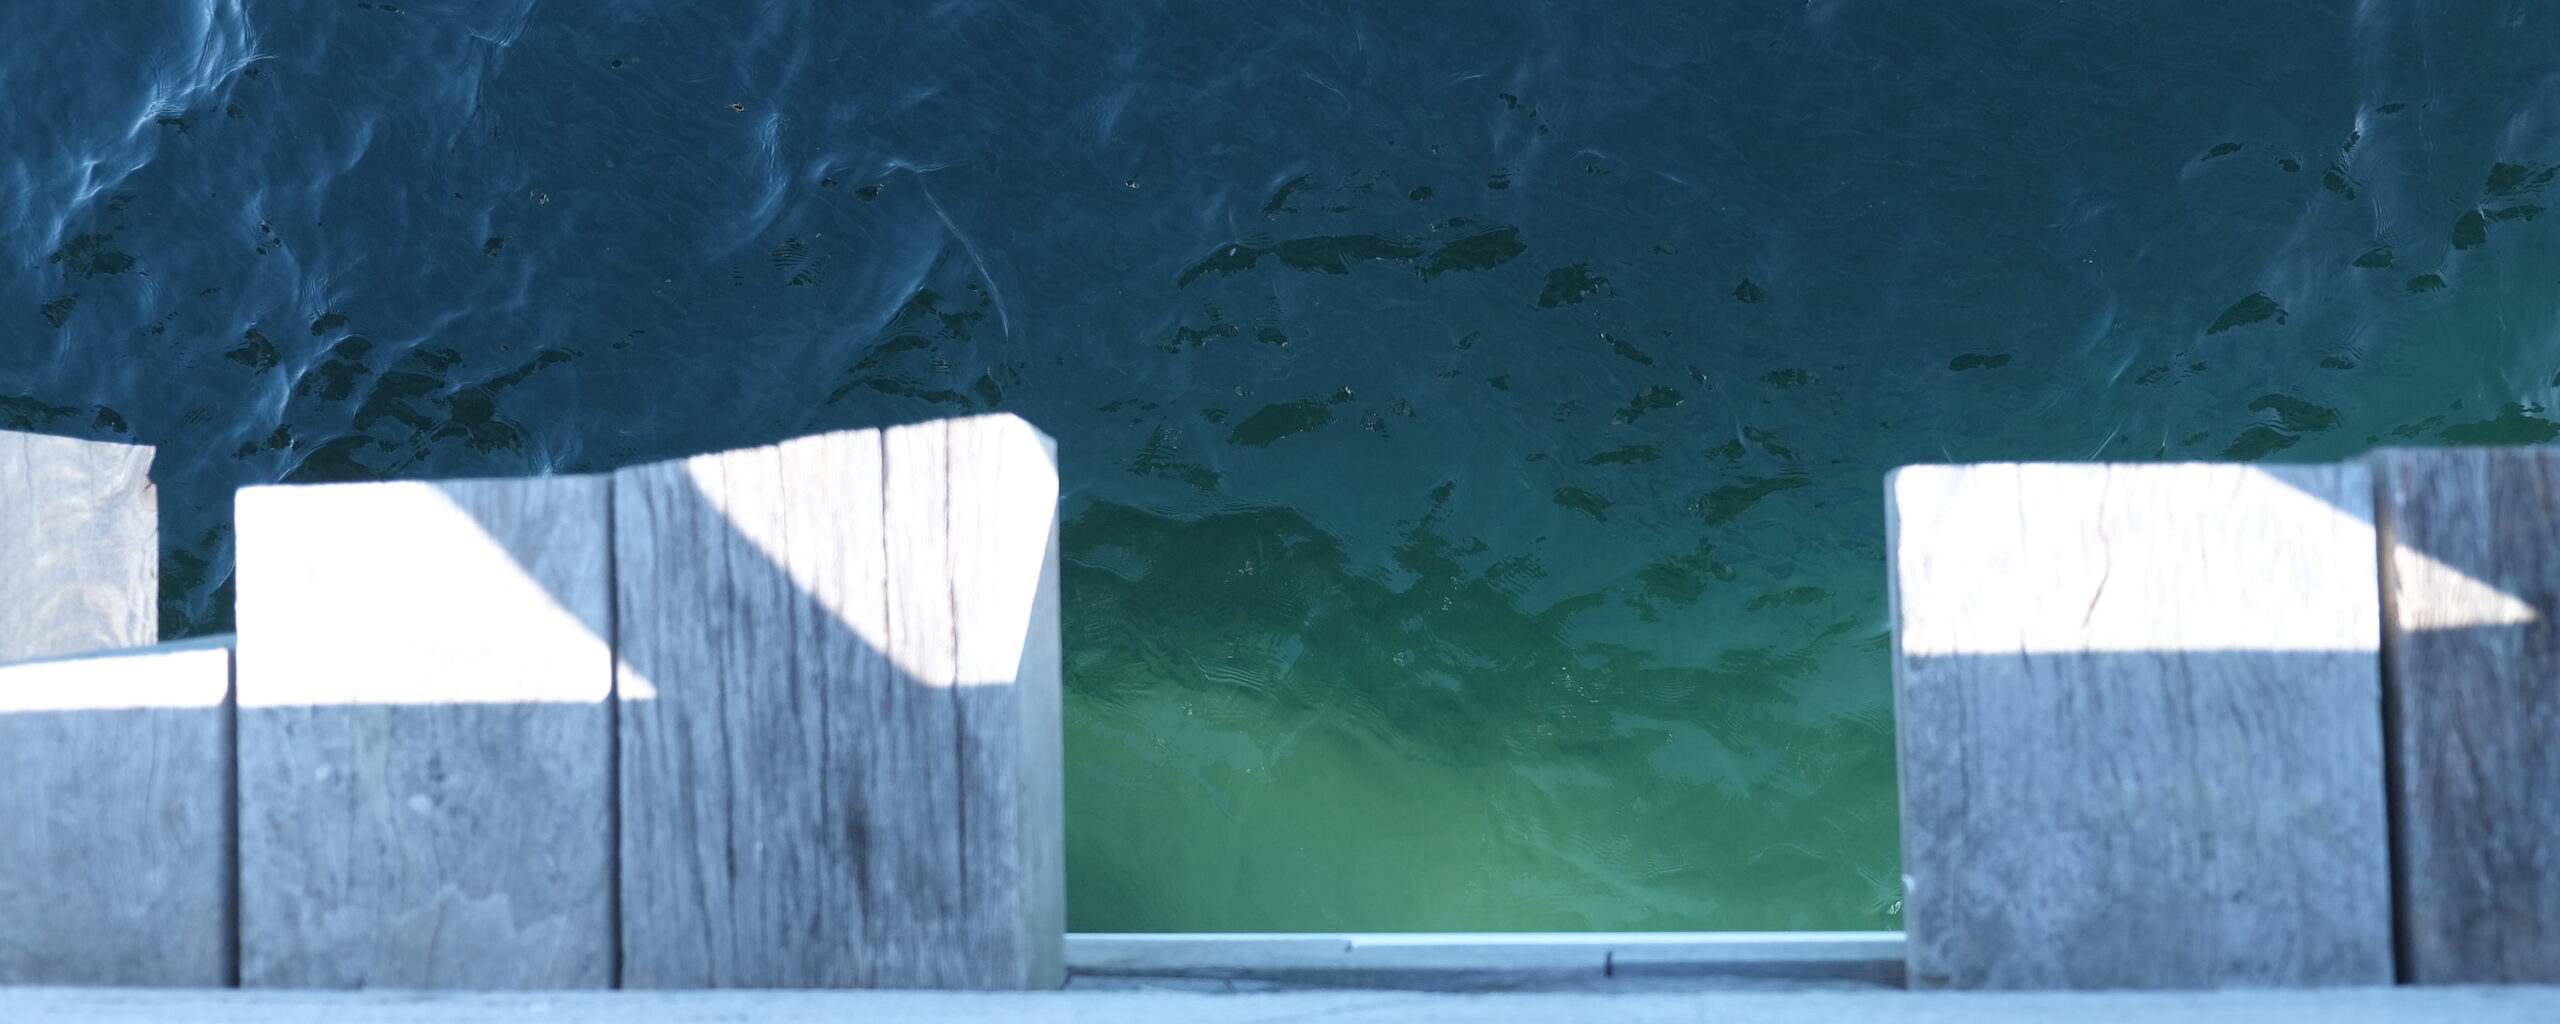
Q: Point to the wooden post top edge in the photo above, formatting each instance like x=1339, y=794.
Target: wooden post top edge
x=1048, y=441
x=2179, y=464
x=210, y=642
x=2369, y=456
x=34, y=436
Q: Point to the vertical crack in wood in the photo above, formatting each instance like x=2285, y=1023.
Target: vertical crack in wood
x=230, y=747
x=2395, y=809
x=613, y=735
x=891, y=676
x=952, y=538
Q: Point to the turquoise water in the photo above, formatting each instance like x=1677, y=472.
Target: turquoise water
x=1472, y=414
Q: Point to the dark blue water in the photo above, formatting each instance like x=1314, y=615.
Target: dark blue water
x=1472, y=414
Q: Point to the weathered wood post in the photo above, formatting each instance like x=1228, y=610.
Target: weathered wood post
x=425, y=735
x=79, y=547
x=2139, y=726
x=115, y=818
x=2471, y=576
x=115, y=770
x=839, y=712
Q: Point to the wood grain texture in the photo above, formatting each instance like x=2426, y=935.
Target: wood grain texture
x=748, y=590
x=1004, y=548
x=2139, y=734
x=839, y=724
x=115, y=791
x=79, y=547
x=2472, y=685
x=425, y=735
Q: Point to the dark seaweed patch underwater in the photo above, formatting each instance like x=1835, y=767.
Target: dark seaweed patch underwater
x=1472, y=414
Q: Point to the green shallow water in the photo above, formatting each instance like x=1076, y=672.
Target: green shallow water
x=1472, y=415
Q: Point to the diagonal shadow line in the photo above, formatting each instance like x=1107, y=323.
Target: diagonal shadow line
x=2471, y=618
x=753, y=568
x=2465, y=707
x=771, y=723
x=780, y=746
x=2462, y=533
x=2448, y=557
x=2497, y=478
x=2467, y=585
x=2079, y=804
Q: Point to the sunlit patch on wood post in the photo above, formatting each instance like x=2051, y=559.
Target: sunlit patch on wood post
x=425, y=735
x=115, y=793
x=2138, y=712
x=2471, y=574
x=839, y=670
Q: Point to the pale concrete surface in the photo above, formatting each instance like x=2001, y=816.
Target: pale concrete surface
x=2537, y=1004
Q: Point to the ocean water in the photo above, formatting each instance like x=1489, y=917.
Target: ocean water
x=1472, y=413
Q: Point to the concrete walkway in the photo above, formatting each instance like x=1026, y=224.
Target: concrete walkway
x=1623, y=1005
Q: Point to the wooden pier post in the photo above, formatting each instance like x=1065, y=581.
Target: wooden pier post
x=115, y=818
x=79, y=547
x=115, y=771
x=839, y=673
x=2471, y=589
x=2139, y=726
x=425, y=735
